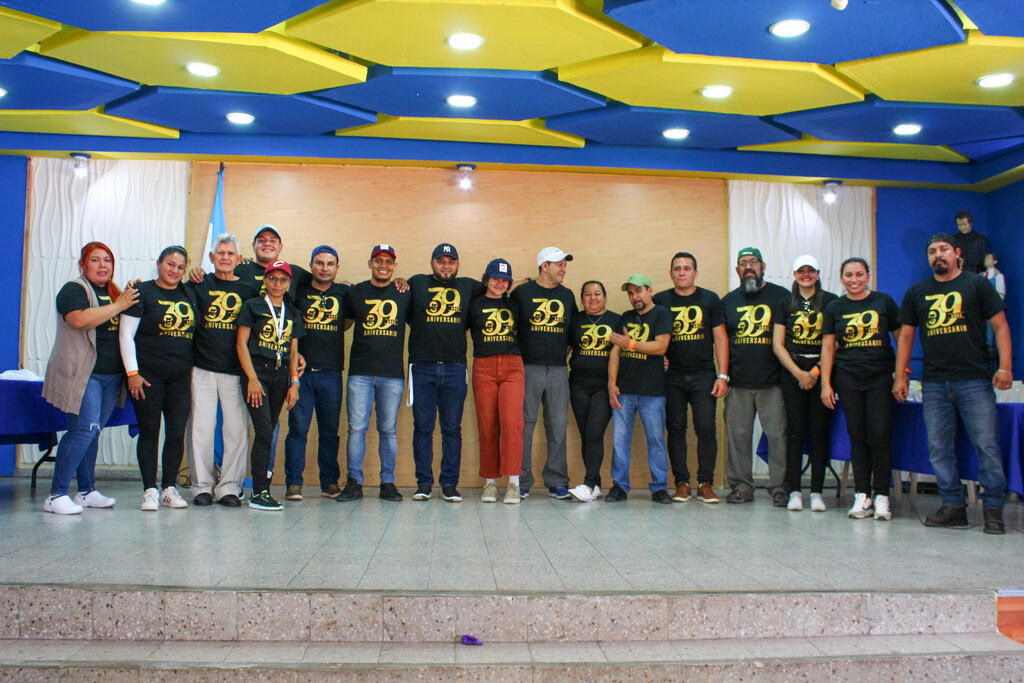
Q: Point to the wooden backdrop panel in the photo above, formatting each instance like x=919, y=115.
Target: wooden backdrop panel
x=613, y=225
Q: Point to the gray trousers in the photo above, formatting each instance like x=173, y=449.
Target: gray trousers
x=740, y=407
x=548, y=384
x=207, y=389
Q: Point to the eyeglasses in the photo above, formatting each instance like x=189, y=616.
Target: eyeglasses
x=748, y=263
x=274, y=279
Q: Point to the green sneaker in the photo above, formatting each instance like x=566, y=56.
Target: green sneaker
x=264, y=501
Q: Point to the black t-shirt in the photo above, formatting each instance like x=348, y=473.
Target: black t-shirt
x=954, y=314
x=323, y=318
x=543, y=314
x=493, y=326
x=378, y=335
x=694, y=317
x=748, y=320
x=263, y=340
x=973, y=247
x=72, y=297
x=167, y=320
x=863, y=331
x=219, y=303
x=641, y=373
x=439, y=317
x=588, y=337
x=804, y=325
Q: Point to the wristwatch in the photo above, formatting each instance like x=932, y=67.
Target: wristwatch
x=725, y=377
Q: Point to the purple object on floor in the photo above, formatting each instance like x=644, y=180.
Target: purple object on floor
x=470, y=640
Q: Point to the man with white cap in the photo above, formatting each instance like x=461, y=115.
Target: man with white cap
x=544, y=308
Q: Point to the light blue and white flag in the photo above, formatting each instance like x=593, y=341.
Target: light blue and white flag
x=217, y=223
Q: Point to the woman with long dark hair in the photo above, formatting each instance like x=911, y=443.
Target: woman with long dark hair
x=156, y=347
x=857, y=331
x=84, y=377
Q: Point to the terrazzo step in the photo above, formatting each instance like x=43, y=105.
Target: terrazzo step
x=958, y=657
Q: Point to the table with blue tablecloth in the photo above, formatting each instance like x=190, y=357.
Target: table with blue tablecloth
x=25, y=417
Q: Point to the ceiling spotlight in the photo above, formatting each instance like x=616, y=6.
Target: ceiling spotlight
x=461, y=100
x=2, y=92
x=464, y=182
x=831, y=192
x=81, y=164
x=675, y=133
x=200, y=69
x=995, y=80
x=465, y=41
x=840, y=4
x=789, y=28
x=907, y=129
x=240, y=118
x=148, y=2
x=716, y=91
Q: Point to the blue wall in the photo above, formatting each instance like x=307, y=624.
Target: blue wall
x=1006, y=237
x=13, y=181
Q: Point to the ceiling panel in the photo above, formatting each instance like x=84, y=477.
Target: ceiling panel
x=204, y=111
x=740, y=29
x=34, y=82
x=500, y=94
x=263, y=62
x=995, y=17
x=878, y=150
x=92, y=122
x=466, y=130
x=989, y=149
x=528, y=35
x=620, y=124
x=19, y=31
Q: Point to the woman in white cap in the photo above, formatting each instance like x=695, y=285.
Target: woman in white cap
x=797, y=343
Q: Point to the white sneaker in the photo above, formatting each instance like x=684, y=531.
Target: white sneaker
x=861, y=506
x=61, y=505
x=490, y=494
x=150, y=500
x=94, y=499
x=584, y=493
x=882, y=508
x=172, y=499
x=796, y=501
x=818, y=503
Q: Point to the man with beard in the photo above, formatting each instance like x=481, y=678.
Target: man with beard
x=754, y=378
x=438, y=321
x=953, y=306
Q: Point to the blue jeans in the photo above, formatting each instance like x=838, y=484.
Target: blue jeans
x=319, y=390
x=76, y=453
x=652, y=415
x=439, y=391
x=975, y=401
x=363, y=392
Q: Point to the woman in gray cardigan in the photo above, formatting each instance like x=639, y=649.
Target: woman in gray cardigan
x=84, y=376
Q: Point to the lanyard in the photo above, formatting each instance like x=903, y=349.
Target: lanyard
x=278, y=325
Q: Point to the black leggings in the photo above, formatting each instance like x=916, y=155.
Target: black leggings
x=168, y=394
x=806, y=417
x=264, y=419
x=869, y=414
x=695, y=391
x=593, y=412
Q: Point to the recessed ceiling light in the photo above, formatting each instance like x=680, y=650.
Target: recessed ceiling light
x=907, y=129
x=675, y=133
x=2, y=92
x=149, y=2
x=716, y=91
x=461, y=100
x=789, y=28
x=465, y=41
x=995, y=80
x=240, y=117
x=200, y=69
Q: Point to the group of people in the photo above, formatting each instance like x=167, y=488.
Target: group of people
x=225, y=349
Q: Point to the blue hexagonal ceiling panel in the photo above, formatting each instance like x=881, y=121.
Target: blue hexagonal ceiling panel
x=989, y=149
x=34, y=82
x=995, y=17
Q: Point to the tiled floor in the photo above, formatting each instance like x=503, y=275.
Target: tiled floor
x=542, y=545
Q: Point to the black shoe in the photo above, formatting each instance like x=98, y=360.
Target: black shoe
x=780, y=498
x=230, y=501
x=264, y=501
x=615, y=495
x=993, y=521
x=351, y=491
x=422, y=492
x=947, y=515
x=661, y=497
x=390, y=492
x=736, y=497
x=451, y=494
x=203, y=499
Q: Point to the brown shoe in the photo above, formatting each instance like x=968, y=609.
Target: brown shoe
x=293, y=493
x=706, y=493
x=682, y=493
x=993, y=521
x=331, y=491
x=947, y=515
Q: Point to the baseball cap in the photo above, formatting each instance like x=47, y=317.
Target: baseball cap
x=267, y=226
x=551, y=255
x=279, y=265
x=942, y=237
x=806, y=260
x=749, y=251
x=323, y=249
x=383, y=249
x=638, y=280
x=499, y=269
x=445, y=249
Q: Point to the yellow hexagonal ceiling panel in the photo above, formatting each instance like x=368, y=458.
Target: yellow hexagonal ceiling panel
x=657, y=77
x=947, y=73
x=518, y=34
x=91, y=122
x=263, y=63
x=19, y=31
x=531, y=132
x=875, y=150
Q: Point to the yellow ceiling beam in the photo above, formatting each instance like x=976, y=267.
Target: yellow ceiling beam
x=531, y=132
x=875, y=150
x=19, y=31
x=89, y=122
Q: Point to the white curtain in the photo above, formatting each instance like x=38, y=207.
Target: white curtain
x=135, y=207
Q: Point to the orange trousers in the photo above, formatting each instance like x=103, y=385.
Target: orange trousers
x=499, y=384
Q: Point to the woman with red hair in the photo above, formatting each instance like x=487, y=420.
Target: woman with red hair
x=84, y=376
